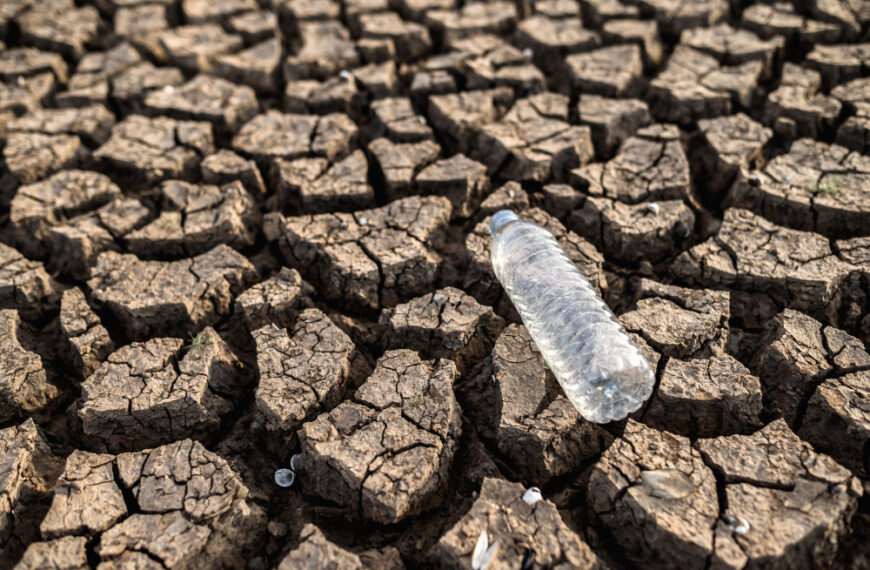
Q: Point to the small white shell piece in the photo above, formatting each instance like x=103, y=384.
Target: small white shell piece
x=532, y=495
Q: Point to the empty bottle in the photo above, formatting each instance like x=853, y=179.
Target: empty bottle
x=601, y=371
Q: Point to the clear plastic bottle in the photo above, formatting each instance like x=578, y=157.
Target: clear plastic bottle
x=601, y=371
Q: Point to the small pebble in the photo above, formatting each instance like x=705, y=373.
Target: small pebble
x=169, y=89
x=363, y=222
x=439, y=298
x=421, y=119
x=755, y=181
x=789, y=177
x=284, y=477
x=343, y=224
x=528, y=53
x=532, y=495
x=344, y=74
x=667, y=483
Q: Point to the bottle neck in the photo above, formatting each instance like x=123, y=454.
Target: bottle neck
x=500, y=219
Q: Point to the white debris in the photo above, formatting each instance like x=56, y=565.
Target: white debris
x=736, y=524
x=532, y=495
x=483, y=553
x=284, y=477
x=479, y=550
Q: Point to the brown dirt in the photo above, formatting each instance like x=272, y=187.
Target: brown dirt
x=238, y=236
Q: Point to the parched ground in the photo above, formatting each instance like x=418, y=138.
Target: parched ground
x=248, y=317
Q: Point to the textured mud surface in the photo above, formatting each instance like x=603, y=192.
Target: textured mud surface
x=244, y=236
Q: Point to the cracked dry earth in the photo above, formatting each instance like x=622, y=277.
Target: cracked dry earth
x=238, y=236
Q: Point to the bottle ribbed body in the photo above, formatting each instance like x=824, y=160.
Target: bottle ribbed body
x=601, y=371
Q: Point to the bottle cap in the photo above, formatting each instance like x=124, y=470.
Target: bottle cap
x=501, y=218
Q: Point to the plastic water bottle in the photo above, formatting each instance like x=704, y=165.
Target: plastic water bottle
x=601, y=371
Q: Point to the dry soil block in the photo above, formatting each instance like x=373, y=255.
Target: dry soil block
x=630, y=233
x=519, y=527
x=814, y=187
x=797, y=353
x=784, y=501
x=837, y=421
x=612, y=120
x=457, y=117
x=462, y=180
x=276, y=300
x=24, y=389
x=444, y=324
x=388, y=451
x=315, y=551
x=67, y=553
x=176, y=506
x=695, y=85
x=395, y=119
x=195, y=218
x=796, y=108
x=371, y=258
x=279, y=135
x=536, y=428
x=649, y=166
x=657, y=526
x=615, y=71
x=76, y=243
x=790, y=268
x=154, y=297
x=727, y=146
x=154, y=392
x=87, y=342
x=706, y=397
x=38, y=207
x=223, y=104
x=399, y=163
x=675, y=17
x=734, y=46
x=24, y=284
x=144, y=151
x=28, y=469
x=303, y=372
x=225, y=166
x=308, y=186
x=93, y=124
x=30, y=157
x=534, y=141
x=325, y=49
x=680, y=322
